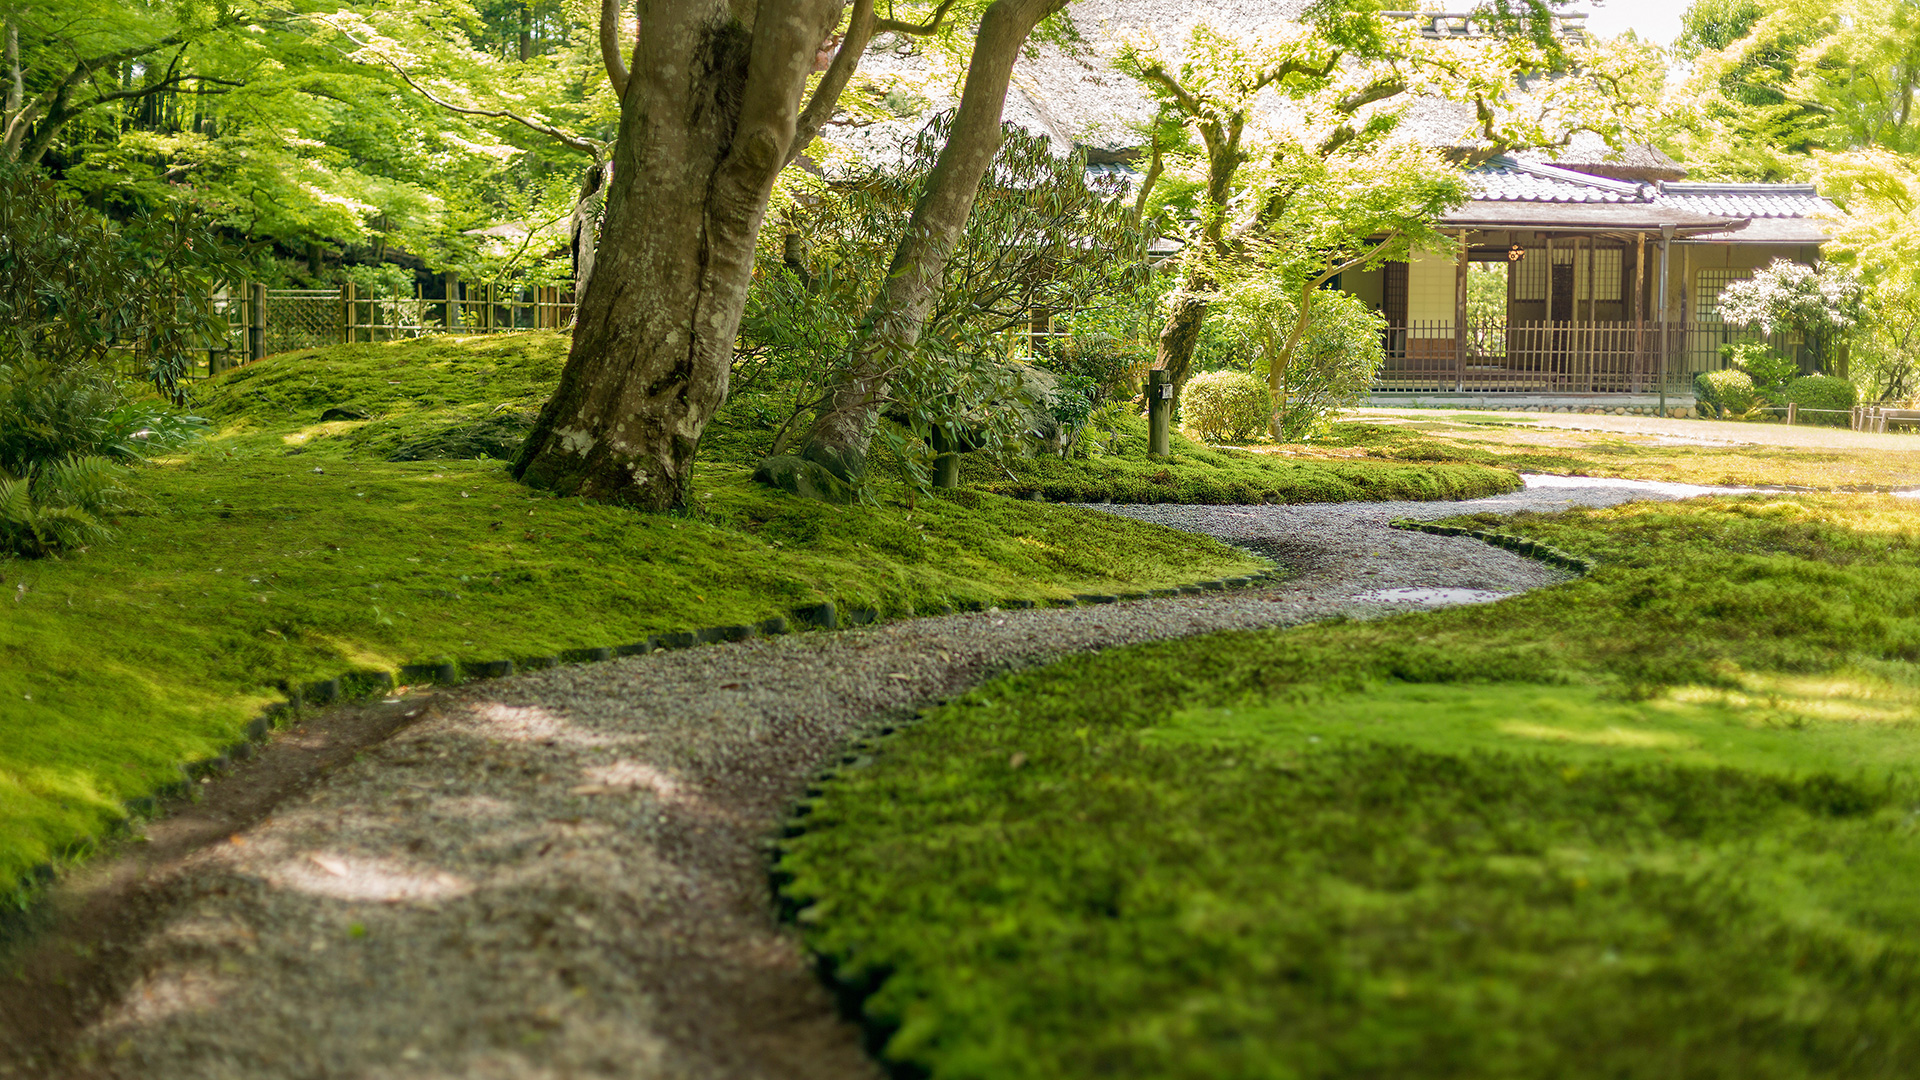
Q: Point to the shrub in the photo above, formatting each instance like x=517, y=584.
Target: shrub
x=1225, y=406
x=63, y=431
x=1824, y=392
x=58, y=506
x=1113, y=367
x=1769, y=370
x=1727, y=394
x=1332, y=368
x=73, y=284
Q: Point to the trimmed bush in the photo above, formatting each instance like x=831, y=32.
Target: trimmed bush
x=1225, y=406
x=1825, y=392
x=1726, y=393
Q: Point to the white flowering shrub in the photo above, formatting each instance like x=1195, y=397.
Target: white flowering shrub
x=1787, y=295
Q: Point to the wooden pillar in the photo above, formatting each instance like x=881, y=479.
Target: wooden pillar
x=1550, y=361
x=1594, y=349
x=1666, y=338
x=1639, y=312
x=1460, y=317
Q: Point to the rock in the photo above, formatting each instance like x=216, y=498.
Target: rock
x=807, y=479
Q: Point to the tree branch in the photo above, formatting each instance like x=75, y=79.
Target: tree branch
x=895, y=26
x=572, y=142
x=610, y=47
x=1296, y=67
x=1276, y=368
x=51, y=103
x=1155, y=166
x=826, y=96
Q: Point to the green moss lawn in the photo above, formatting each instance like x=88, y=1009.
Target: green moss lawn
x=1119, y=470
x=1663, y=821
x=283, y=547
x=1495, y=440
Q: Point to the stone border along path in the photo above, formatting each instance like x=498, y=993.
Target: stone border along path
x=564, y=873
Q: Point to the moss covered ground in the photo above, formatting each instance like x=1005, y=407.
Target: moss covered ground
x=1119, y=470
x=1662, y=821
x=1500, y=441
x=287, y=547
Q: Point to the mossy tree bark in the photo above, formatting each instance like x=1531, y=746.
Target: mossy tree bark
x=708, y=117
x=839, y=435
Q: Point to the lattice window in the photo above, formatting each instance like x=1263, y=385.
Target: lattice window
x=1708, y=284
x=1530, y=273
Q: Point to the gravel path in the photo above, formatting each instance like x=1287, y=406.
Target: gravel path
x=563, y=874
x=1688, y=430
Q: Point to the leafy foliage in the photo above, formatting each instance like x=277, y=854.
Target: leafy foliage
x=1768, y=370
x=59, y=505
x=1775, y=81
x=1879, y=238
x=1039, y=237
x=74, y=285
x=1315, y=364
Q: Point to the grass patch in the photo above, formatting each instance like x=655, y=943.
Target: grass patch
x=1662, y=821
x=1120, y=471
x=1526, y=447
x=288, y=547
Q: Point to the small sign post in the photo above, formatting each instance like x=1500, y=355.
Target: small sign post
x=1159, y=414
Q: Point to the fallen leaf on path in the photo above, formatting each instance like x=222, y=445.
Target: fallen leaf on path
x=330, y=864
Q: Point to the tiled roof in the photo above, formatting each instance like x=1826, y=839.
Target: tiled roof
x=1746, y=200
x=1506, y=179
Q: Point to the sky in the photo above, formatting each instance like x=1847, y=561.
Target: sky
x=1656, y=20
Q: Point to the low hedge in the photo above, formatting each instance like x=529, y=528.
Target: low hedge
x=1833, y=397
x=1725, y=393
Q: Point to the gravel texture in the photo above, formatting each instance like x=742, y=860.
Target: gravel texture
x=564, y=874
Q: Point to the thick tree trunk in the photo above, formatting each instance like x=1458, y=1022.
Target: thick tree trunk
x=707, y=120
x=1180, y=334
x=839, y=437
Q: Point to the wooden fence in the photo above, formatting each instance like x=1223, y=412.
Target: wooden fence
x=1559, y=358
x=262, y=321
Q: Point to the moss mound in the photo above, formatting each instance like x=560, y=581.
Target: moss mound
x=1657, y=822
x=1120, y=471
x=288, y=547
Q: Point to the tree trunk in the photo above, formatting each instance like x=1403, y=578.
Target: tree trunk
x=841, y=430
x=706, y=122
x=1180, y=335
x=581, y=230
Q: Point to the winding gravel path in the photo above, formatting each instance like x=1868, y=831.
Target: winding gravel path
x=563, y=874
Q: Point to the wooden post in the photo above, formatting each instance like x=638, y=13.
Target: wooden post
x=452, y=319
x=257, y=322
x=1550, y=360
x=346, y=313
x=1793, y=412
x=1460, y=317
x=1159, y=414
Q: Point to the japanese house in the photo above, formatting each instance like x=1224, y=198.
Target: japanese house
x=1583, y=280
